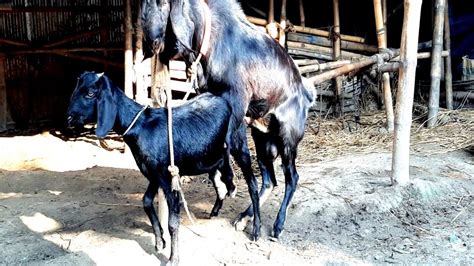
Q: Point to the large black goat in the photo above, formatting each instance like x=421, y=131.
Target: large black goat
x=199, y=132
x=247, y=67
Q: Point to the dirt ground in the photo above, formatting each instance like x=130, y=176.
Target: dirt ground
x=72, y=202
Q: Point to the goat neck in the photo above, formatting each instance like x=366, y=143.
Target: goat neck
x=127, y=109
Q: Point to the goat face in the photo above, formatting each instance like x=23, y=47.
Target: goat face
x=155, y=14
x=83, y=102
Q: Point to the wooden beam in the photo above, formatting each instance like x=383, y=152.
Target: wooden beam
x=75, y=9
x=433, y=105
x=395, y=66
x=128, y=86
x=318, y=32
x=322, y=67
x=302, y=16
x=3, y=97
x=325, y=50
x=140, y=73
x=405, y=92
x=14, y=42
x=59, y=50
x=323, y=41
x=90, y=59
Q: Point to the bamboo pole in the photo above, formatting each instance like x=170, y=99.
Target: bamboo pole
x=128, y=63
x=270, y=25
x=324, y=50
x=405, y=92
x=302, y=16
x=141, y=89
x=382, y=42
x=348, y=68
x=281, y=38
x=448, y=77
x=318, y=40
x=318, y=32
x=337, y=54
x=433, y=106
x=104, y=32
x=3, y=96
x=394, y=66
x=322, y=67
x=312, y=54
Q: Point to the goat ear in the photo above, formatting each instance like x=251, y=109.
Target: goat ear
x=181, y=22
x=106, y=108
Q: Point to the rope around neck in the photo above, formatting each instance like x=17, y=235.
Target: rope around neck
x=135, y=120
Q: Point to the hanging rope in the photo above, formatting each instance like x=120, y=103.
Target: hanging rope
x=172, y=168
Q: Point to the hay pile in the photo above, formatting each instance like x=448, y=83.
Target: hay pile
x=330, y=138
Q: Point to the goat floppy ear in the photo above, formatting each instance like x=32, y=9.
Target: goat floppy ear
x=181, y=22
x=106, y=107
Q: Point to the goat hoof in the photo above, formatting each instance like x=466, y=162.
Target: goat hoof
x=240, y=223
x=276, y=233
x=213, y=214
x=232, y=193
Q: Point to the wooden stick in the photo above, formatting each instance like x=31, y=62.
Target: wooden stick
x=305, y=62
x=312, y=54
x=336, y=41
x=322, y=41
x=322, y=67
x=382, y=42
x=327, y=34
x=281, y=37
x=405, y=92
x=302, y=16
x=128, y=87
x=318, y=32
x=271, y=11
x=433, y=106
x=58, y=50
x=13, y=42
x=394, y=66
x=90, y=59
x=3, y=97
x=448, y=76
x=325, y=50
x=348, y=68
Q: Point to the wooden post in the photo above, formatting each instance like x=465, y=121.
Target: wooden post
x=448, y=77
x=433, y=106
x=128, y=49
x=272, y=29
x=405, y=92
x=3, y=96
x=281, y=37
x=141, y=89
x=382, y=41
x=302, y=16
x=104, y=33
x=337, y=55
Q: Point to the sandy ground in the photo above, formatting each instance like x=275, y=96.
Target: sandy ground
x=71, y=202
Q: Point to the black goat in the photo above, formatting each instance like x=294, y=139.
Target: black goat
x=199, y=132
x=247, y=67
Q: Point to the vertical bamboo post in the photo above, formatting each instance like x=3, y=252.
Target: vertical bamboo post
x=104, y=34
x=3, y=96
x=382, y=42
x=302, y=17
x=384, y=11
x=337, y=54
x=405, y=92
x=128, y=49
x=141, y=90
x=433, y=106
x=272, y=29
x=281, y=37
x=448, y=77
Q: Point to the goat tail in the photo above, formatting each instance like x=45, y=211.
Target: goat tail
x=309, y=90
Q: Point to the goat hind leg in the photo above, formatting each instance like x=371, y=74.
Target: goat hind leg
x=148, y=198
x=266, y=154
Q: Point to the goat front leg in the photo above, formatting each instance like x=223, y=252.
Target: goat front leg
x=148, y=198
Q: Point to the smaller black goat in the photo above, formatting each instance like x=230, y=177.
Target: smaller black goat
x=199, y=132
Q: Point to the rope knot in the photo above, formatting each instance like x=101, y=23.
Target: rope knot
x=175, y=179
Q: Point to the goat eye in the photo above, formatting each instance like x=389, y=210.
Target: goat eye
x=90, y=94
